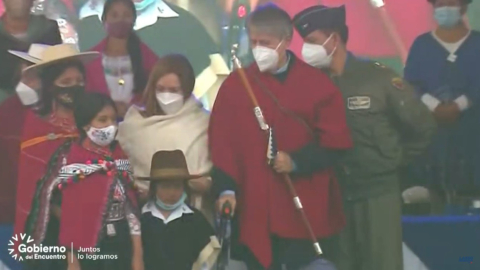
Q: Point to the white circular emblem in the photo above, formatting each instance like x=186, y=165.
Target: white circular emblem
x=13, y=244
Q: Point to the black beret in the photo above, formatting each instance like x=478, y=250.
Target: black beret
x=466, y=2
x=318, y=18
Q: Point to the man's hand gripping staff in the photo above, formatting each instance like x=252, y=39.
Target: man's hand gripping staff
x=280, y=161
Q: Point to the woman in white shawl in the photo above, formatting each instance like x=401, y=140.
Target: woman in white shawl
x=170, y=119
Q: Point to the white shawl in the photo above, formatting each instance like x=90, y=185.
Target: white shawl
x=186, y=130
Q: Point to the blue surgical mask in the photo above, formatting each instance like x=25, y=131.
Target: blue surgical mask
x=139, y=6
x=171, y=207
x=447, y=16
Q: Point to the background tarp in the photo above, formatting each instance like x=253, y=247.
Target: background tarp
x=368, y=34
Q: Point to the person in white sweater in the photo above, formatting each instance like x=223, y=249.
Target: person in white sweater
x=169, y=118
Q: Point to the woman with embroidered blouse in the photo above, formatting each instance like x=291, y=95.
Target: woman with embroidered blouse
x=170, y=118
x=123, y=69
x=106, y=220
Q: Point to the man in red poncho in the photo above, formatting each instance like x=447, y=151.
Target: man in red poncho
x=306, y=111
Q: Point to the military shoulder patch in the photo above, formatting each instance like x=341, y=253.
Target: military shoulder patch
x=397, y=82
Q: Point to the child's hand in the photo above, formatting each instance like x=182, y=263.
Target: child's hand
x=226, y=198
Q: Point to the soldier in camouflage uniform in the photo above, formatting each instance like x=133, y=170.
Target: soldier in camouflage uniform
x=389, y=127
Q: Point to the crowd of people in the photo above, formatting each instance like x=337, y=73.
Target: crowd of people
x=108, y=149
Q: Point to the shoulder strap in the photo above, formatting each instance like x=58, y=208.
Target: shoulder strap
x=284, y=110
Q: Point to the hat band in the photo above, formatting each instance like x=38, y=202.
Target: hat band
x=169, y=172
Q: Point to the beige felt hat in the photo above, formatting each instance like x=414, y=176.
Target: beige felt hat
x=34, y=53
x=57, y=53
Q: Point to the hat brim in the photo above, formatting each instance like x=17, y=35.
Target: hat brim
x=25, y=56
x=84, y=58
x=171, y=177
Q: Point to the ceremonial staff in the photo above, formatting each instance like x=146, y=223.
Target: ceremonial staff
x=272, y=152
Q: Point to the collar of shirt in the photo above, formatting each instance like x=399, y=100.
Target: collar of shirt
x=144, y=19
x=284, y=67
x=176, y=214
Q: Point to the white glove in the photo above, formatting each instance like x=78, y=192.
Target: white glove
x=416, y=195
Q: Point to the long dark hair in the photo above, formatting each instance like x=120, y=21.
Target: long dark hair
x=87, y=107
x=133, y=46
x=47, y=78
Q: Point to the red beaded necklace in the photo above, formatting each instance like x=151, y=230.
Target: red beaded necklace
x=108, y=169
x=108, y=164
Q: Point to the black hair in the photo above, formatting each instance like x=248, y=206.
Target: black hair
x=87, y=107
x=47, y=78
x=133, y=46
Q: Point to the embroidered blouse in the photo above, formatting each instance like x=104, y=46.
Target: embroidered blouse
x=119, y=76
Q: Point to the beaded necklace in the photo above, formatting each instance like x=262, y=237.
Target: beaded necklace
x=108, y=167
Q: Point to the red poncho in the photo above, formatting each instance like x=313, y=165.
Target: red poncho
x=84, y=204
x=40, y=139
x=12, y=115
x=238, y=147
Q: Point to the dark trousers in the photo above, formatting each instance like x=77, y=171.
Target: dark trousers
x=292, y=253
x=372, y=239
x=119, y=245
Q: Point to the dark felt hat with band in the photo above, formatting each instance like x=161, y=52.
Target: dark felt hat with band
x=319, y=17
x=169, y=165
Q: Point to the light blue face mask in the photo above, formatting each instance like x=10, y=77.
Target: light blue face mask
x=139, y=6
x=447, y=16
x=171, y=207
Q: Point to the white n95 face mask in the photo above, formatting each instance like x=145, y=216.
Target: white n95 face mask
x=170, y=103
x=316, y=55
x=27, y=95
x=266, y=58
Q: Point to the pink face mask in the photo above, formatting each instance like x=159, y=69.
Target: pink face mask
x=120, y=29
